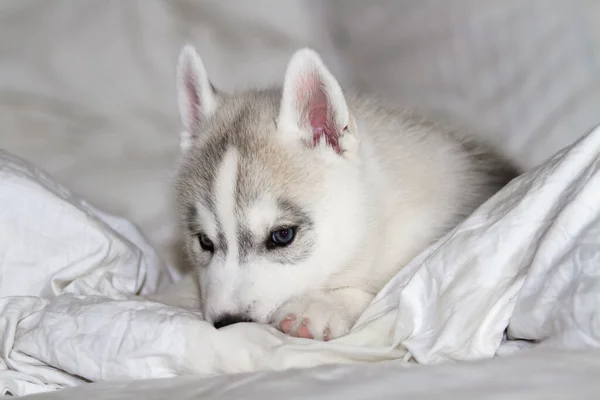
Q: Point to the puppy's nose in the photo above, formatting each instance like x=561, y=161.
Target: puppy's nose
x=230, y=319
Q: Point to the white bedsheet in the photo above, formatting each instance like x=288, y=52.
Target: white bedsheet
x=541, y=375
x=529, y=256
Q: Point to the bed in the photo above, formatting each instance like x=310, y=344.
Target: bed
x=507, y=304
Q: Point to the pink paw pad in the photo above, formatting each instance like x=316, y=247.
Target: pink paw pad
x=286, y=324
x=303, y=331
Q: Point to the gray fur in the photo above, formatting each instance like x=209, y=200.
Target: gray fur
x=363, y=207
x=247, y=122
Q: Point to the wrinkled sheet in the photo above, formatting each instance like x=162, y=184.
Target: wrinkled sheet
x=527, y=260
x=543, y=375
x=86, y=91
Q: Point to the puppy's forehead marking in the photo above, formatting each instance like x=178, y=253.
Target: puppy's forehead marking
x=246, y=243
x=192, y=219
x=257, y=214
x=232, y=192
x=225, y=202
x=294, y=211
x=209, y=224
x=262, y=214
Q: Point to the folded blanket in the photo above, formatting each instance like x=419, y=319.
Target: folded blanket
x=522, y=270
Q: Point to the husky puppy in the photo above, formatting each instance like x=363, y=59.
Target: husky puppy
x=299, y=203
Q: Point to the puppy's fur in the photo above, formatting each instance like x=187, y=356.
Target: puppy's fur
x=362, y=188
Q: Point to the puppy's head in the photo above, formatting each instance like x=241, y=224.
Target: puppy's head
x=268, y=188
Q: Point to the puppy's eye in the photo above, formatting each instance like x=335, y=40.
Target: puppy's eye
x=205, y=243
x=281, y=237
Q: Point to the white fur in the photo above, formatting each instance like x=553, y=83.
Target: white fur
x=208, y=220
x=262, y=214
x=396, y=183
x=306, y=65
x=225, y=199
x=191, y=71
x=220, y=291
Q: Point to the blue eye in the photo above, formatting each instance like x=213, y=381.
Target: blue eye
x=282, y=237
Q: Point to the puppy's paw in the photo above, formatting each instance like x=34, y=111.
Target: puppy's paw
x=312, y=317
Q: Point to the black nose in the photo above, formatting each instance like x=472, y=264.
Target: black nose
x=230, y=319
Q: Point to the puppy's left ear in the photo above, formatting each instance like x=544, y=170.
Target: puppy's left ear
x=196, y=96
x=313, y=106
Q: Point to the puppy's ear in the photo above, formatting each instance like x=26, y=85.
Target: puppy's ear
x=197, y=98
x=313, y=105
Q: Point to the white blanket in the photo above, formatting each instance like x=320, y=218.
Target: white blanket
x=527, y=260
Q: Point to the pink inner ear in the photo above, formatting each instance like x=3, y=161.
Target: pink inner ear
x=193, y=99
x=316, y=108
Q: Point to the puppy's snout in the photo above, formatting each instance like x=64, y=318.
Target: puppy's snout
x=230, y=319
